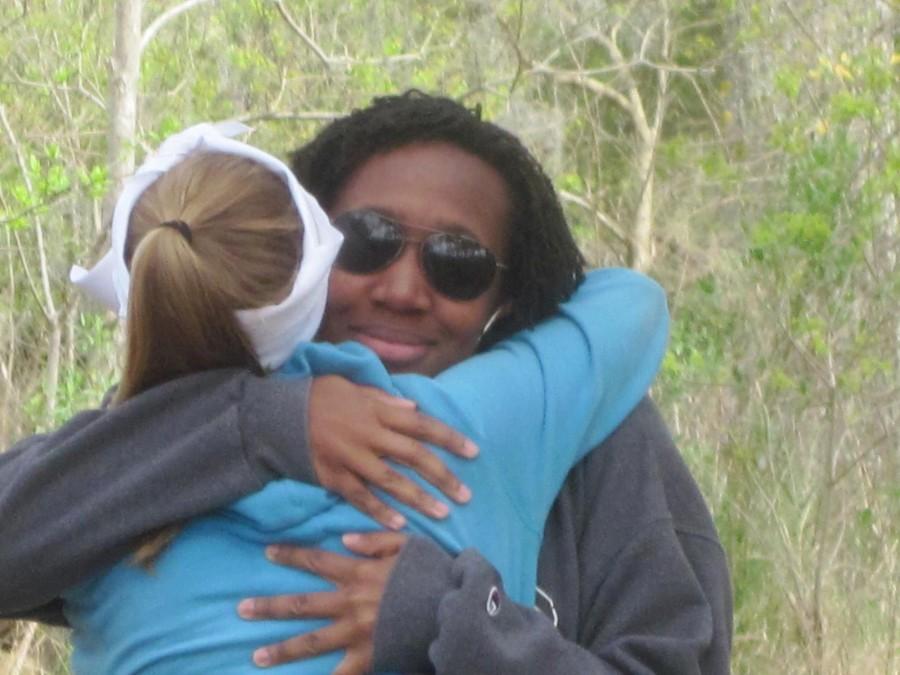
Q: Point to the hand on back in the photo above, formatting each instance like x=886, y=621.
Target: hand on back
x=354, y=430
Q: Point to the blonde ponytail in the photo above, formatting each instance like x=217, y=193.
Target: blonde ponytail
x=179, y=319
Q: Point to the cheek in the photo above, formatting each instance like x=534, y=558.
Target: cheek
x=344, y=291
x=343, y=288
x=463, y=323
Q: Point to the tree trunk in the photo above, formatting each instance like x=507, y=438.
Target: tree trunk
x=640, y=249
x=125, y=70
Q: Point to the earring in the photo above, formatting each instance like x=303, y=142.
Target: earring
x=490, y=322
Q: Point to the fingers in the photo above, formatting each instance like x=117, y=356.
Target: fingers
x=404, y=445
x=352, y=608
x=426, y=429
x=306, y=605
x=348, y=452
x=425, y=463
x=382, y=475
x=331, y=566
x=356, y=662
x=395, y=401
x=327, y=639
x=355, y=491
x=370, y=469
x=375, y=544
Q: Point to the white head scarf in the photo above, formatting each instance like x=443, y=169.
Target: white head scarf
x=275, y=330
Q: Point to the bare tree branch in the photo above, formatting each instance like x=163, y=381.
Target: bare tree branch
x=306, y=116
x=330, y=61
x=579, y=79
x=32, y=209
x=21, y=16
x=308, y=41
x=78, y=90
x=803, y=27
x=164, y=18
x=608, y=224
x=47, y=305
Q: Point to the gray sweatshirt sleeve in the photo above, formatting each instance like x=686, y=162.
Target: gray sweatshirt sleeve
x=630, y=557
x=74, y=500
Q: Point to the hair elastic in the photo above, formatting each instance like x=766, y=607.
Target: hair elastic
x=181, y=227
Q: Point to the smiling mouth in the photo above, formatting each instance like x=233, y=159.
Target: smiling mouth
x=393, y=349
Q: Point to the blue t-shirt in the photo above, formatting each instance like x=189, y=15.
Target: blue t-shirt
x=534, y=404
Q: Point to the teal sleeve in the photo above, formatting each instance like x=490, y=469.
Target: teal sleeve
x=546, y=396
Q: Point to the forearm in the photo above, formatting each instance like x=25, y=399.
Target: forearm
x=73, y=501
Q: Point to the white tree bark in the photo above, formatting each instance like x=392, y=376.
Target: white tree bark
x=124, y=75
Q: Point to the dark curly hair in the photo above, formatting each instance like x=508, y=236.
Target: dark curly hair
x=545, y=265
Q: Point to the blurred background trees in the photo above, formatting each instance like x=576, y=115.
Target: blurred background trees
x=743, y=152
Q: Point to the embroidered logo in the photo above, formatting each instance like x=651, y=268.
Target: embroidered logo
x=493, y=601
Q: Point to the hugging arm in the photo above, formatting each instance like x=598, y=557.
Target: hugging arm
x=544, y=397
x=74, y=500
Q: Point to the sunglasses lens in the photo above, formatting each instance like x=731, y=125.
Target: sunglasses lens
x=370, y=242
x=458, y=267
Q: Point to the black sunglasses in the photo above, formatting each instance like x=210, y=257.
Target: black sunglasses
x=455, y=265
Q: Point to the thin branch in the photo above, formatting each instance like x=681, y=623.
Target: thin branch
x=842, y=471
x=608, y=223
x=308, y=41
x=645, y=41
x=663, y=83
x=617, y=26
x=710, y=115
x=20, y=656
x=164, y=18
x=635, y=104
x=282, y=85
x=8, y=367
x=394, y=58
x=803, y=27
x=346, y=61
x=675, y=69
x=609, y=41
x=308, y=116
x=575, y=77
x=37, y=207
x=20, y=250
x=47, y=306
x=514, y=36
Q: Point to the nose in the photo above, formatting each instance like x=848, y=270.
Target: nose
x=402, y=286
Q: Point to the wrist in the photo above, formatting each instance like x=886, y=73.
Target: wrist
x=274, y=427
x=407, y=616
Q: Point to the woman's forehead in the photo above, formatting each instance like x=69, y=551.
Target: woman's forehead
x=436, y=185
